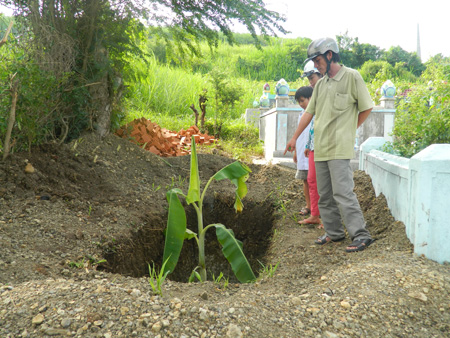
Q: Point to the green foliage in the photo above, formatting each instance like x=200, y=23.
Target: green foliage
x=277, y=58
x=375, y=73
x=423, y=116
x=282, y=58
x=409, y=61
x=68, y=63
x=268, y=270
x=187, y=22
x=160, y=92
x=239, y=139
x=225, y=94
x=160, y=88
x=176, y=231
x=241, y=132
x=43, y=112
x=354, y=54
x=380, y=70
x=81, y=50
x=86, y=263
x=220, y=281
x=157, y=278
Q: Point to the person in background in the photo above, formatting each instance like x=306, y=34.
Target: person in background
x=340, y=103
x=313, y=76
x=299, y=155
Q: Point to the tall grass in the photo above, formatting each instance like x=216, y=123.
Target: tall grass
x=281, y=58
x=161, y=88
x=164, y=93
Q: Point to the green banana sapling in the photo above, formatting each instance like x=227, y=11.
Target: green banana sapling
x=176, y=231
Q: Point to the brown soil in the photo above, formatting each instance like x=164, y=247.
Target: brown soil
x=95, y=200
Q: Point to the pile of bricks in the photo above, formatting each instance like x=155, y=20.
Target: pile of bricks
x=161, y=141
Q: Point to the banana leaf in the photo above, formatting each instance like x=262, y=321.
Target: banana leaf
x=237, y=173
x=175, y=231
x=193, y=194
x=232, y=250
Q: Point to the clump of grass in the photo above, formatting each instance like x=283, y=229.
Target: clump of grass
x=157, y=278
x=220, y=281
x=267, y=270
x=242, y=152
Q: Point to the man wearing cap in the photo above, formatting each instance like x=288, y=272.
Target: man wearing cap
x=340, y=103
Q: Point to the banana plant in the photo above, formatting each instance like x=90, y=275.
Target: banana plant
x=176, y=231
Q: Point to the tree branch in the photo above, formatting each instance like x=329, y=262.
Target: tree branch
x=5, y=38
x=195, y=113
x=12, y=116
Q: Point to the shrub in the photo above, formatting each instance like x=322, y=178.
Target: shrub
x=423, y=118
x=44, y=109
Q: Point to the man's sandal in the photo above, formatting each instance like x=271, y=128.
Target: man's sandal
x=359, y=244
x=325, y=239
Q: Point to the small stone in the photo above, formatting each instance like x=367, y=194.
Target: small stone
x=418, y=295
x=124, y=310
x=203, y=314
x=345, y=305
x=65, y=323
x=313, y=310
x=38, y=319
x=29, y=169
x=204, y=296
x=233, y=331
x=296, y=301
x=56, y=332
x=156, y=327
x=135, y=292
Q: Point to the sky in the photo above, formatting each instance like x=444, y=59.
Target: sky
x=381, y=23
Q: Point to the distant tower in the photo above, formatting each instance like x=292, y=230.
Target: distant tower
x=418, y=43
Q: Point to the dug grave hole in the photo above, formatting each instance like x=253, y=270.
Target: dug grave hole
x=131, y=255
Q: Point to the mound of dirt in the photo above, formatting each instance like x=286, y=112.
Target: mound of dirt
x=94, y=211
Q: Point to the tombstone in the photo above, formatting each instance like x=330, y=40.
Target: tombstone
x=278, y=124
x=388, y=95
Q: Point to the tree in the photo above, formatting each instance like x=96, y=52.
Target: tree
x=88, y=42
x=225, y=95
x=365, y=52
x=410, y=61
x=12, y=114
x=354, y=54
x=377, y=69
x=205, y=20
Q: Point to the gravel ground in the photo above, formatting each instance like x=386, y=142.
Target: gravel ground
x=85, y=199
